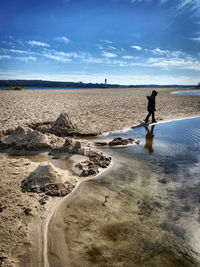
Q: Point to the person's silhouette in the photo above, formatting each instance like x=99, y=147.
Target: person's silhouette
x=149, y=139
x=151, y=108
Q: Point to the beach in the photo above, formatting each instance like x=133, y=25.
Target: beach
x=22, y=215
x=93, y=110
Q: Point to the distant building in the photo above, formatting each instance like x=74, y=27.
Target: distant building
x=105, y=82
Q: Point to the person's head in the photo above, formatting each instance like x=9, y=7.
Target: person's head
x=154, y=93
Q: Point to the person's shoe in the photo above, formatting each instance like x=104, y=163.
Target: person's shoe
x=154, y=121
x=146, y=121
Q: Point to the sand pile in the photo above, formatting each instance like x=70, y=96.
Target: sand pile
x=50, y=180
x=26, y=138
x=62, y=126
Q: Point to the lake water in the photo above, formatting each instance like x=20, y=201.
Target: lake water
x=192, y=92
x=144, y=210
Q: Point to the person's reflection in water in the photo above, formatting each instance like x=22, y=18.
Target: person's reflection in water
x=149, y=139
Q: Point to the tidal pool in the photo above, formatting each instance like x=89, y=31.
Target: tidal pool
x=142, y=211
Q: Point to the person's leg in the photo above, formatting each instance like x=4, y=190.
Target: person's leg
x=153, y=117
x=147, y=117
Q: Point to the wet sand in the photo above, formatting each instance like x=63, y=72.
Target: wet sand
x=136, y=226
x=96, y=110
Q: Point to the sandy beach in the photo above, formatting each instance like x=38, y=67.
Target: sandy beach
x=22, y=215
x=92, y=110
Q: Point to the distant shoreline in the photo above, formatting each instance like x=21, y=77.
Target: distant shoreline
x=78, y=85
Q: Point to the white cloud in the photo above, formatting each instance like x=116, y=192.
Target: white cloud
x=108, y=54
x=128, y=57
x=100, y=77
x=18, y=58
x=177, y=53
x=63, y=39
x=47, y=53
x=106, y=60
x=120, y=63
x=188, y=63
x=158, y=51
x=20, y=42
x=100, y=47
x=62, y=56
x=136, y=47
x=183, y=3
x=57, y=58
x=111, y=47
x=164, y=59
x=167, y=53
x=4, y=57
x=18, y=51
x=97, y=60
x=195, y=39
x=26, y=59
x=193, y=5
x=7, y=43
x=37, y=43
x=107, y=41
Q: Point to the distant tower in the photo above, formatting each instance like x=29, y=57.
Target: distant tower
x=105, y=82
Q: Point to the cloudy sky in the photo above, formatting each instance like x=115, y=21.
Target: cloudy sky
x=125, y=41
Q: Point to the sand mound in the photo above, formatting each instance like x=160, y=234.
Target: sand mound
x=63, y=121
x=62, y=126
x=24, y=137
x=49, y=179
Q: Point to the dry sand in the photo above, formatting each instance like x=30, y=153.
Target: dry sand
x=92, y=110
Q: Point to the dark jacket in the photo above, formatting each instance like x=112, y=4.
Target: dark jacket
x=151, y=103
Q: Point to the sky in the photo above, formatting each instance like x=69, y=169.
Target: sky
x=124, y=41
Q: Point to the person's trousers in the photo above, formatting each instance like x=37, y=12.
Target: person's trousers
x=153, y=116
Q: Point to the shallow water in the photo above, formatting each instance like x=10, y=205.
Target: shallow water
x=144, y=211
x=61, y=161
x=191, y=92
x=171, y=145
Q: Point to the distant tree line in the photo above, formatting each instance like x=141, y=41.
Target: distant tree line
x=55, y=84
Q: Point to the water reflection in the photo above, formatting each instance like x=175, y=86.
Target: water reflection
x=149, y=139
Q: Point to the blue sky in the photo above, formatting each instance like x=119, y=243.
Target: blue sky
x=125, y=41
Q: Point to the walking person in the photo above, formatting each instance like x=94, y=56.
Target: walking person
x=151, y=108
